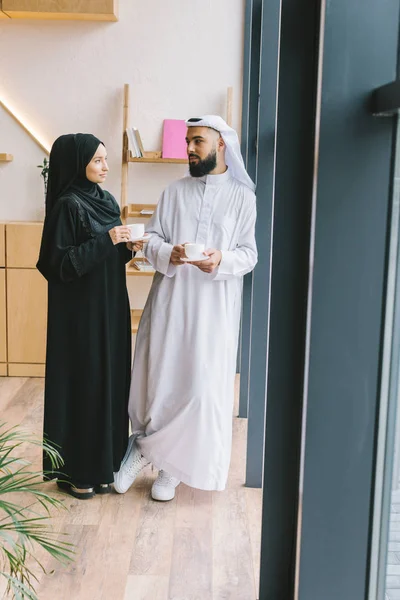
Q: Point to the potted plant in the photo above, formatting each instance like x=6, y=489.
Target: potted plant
x=44, y=173
x=25, y=525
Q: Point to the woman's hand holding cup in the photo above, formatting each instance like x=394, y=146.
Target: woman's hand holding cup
x=136, y=231
x=119, y=234
x=135, y=246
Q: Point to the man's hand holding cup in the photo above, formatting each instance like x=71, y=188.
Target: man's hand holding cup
x=177, y=253
x=195, y=252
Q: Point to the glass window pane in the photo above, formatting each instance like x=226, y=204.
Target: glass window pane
x=385, y=557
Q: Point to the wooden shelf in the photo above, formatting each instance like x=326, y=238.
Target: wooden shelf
x=6, y=157
x=133, y=210
x=136, y=315
x=132, y=271
x=144, y=159
x=90, y=10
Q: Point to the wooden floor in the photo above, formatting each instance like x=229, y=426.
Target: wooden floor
x=200, y=546
x=393, y=556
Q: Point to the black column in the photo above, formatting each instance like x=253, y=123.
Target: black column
x=348, y=299
x=293, y=187
x=251, y=84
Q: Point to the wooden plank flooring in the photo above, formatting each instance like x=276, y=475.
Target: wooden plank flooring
x=200, y=546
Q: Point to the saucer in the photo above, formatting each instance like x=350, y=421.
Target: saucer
x=195, y=259
x=143, y=238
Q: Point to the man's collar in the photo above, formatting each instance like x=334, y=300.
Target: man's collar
x=219, y=179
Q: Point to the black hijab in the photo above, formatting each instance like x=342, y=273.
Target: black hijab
x=69, y=157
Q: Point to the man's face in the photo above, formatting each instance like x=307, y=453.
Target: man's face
x=202, y=150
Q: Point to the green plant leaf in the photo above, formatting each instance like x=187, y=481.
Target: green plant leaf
x=26, y=525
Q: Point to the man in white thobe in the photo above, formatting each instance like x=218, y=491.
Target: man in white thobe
x=182, y=388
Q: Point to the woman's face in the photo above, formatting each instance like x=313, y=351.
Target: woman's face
x=97, y=169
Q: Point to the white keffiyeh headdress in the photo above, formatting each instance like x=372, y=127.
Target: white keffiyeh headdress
x=233, y=155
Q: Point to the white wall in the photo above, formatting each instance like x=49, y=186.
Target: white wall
x=179, y=57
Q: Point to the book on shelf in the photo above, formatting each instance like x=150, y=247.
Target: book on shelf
x=142, y=265
x=133, y=143
x=174, y=139
x=139, y=141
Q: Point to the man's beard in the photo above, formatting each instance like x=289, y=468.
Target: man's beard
x=205, y=166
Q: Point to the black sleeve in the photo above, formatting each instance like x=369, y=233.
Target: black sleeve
x=125, y=254
x=61, y=258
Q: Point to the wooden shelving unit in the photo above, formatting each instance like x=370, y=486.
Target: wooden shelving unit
x=4, y=157
x=135, y=319
x=133, y=211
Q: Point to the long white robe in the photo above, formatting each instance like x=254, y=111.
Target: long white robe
x=182, y=386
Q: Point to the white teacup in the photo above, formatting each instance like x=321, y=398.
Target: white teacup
x=194, y=251
x=137, y=230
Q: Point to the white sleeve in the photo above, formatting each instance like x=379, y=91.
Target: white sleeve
x=158, y=250
x=243, y=259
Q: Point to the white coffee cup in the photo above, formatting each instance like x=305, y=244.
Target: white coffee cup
x=137, y=230
x=194, y=251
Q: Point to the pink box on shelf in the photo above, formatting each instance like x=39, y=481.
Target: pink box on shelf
x=174, y=139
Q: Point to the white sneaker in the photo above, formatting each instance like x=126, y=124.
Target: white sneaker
x=132, y=463
x=163, y=489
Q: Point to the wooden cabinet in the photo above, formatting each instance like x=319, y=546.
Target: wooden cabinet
x=83, y=10
x=3, y=326
x=3, y=314
x=25, y=300
x=2, y=246
x=23, y=244
x=26, y=316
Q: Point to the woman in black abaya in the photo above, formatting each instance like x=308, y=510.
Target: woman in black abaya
x=82, y=256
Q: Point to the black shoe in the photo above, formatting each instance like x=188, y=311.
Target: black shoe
x=103, y=488
x=82, y=491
